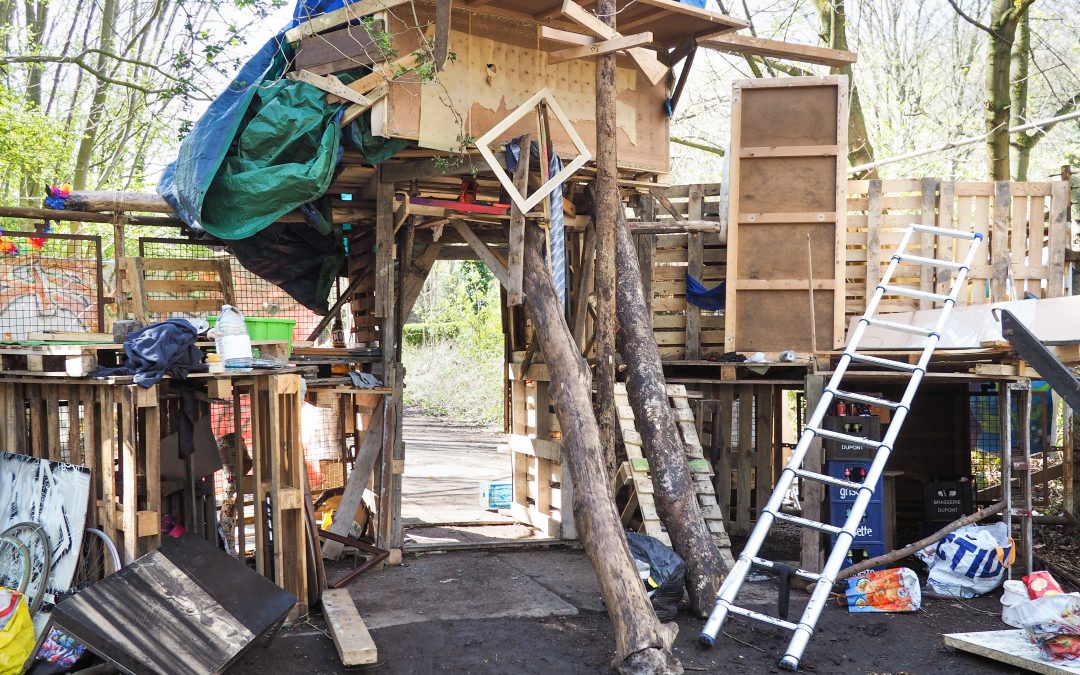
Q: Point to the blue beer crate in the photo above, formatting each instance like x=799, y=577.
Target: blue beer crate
x=840, y=470
x=872, y=527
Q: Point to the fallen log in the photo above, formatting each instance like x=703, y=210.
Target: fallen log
x=673, y=484
x=117, y=201
x=911, y=549
x=642, y=643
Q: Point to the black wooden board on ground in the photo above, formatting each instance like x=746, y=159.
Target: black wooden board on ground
x=187, y=607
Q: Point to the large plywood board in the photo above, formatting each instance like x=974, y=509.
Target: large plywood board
x=787, y=207
x=499, y=63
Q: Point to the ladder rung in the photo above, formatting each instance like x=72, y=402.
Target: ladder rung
x=806, y=522
x=899, y=327
x=885, y=363
x=945, y=232
x=770, y=565
x=932, y=262
x=825, y=478
x=863, y=398
x=913, y=293
x=758, y=616
x=846, y=438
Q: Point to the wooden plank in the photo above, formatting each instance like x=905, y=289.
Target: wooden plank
x=791, y=51
x=873, y=239
x=180, y=264
x=999, y=242
x=745, y=456
x=129, y=473
x=763, y=445
x=694, y=268
x=1018, y=236
x=1058, y=238
x=189, y=306
x=347, y=629
x=812, y=493
x=330, y=85
x=600, y=47
x=946, y=245
x=645, y=59
x=366, y=455
x=489, y=257
x=52, y=422
x=441, y=44
x=1011, y=647
x=928, y=217
x=338, y=50
x=515, y=255
x=384, y=251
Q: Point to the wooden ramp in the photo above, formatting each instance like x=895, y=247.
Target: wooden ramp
x=1011, y=647
x=636, y=470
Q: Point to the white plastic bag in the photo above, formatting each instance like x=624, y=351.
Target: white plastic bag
x=1053, y=623
x=970, y=561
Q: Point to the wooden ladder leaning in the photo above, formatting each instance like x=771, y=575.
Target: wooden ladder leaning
x=635, y=470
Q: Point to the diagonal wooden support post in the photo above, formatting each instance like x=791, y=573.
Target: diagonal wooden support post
x=516, y=253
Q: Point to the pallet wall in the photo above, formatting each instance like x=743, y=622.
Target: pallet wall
x=1025, y=225
x=670, y=257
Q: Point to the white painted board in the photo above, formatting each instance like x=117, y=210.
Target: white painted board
x=1012, y=647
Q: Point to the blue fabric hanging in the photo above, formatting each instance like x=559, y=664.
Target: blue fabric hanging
x=705, y=298
x=556, y=228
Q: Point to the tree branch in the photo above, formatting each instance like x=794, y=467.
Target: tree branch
x=698, y=146
x=972, y=21
x=80, y=61
x=1028, y=140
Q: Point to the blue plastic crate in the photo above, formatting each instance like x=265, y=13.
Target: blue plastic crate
x=864, y=551
x=840, y=470
x=872, y=527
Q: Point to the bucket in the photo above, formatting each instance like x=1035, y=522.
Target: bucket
x=1015, y=592
x=260, y=328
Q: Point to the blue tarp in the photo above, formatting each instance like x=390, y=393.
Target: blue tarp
x=705, y=298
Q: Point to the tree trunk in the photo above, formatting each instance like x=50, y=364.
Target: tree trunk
x=833, y=20
x=97, y=102
x=606, y=201
x=1020, y=57
x=1004, y=18
x=673, y=484
x=642, y=643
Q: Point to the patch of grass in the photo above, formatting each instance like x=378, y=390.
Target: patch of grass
x=452, y=378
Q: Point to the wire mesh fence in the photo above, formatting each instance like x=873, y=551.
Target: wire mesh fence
x=51, y=282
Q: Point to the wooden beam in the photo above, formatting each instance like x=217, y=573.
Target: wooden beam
x=423, y=168
x=330, y=85
x=600, y=47
x=370, y=446
x=487, y=256
x=790, y=51
x=516, y=252
x=380, y=74
x=645, y=59
x=358, y=109
x=442, y=32
x=414, y=282
x=351, y=637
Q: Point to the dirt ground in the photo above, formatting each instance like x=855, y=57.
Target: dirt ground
x=537, y=609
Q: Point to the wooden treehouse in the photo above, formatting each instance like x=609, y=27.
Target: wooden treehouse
x=776, y=259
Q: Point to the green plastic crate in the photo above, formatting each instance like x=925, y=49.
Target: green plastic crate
x=266, y=328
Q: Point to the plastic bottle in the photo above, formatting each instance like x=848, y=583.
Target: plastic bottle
x=231, y=338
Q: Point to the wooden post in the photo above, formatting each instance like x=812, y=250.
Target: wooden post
x=813, y=493
x=642, y=644
x=673, y=484
x=606, y=203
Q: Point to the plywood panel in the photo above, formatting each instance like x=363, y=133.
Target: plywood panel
x=773, y=321
x=785, y=117
x=498, y=64
x=787, y=184
x=788, y=151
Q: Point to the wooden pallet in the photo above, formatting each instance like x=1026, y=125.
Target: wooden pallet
x=55, y=360
x=636, y=469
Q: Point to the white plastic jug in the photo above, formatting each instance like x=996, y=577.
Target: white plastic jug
x=231, y=338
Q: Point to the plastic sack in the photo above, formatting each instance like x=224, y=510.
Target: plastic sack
x=662, y=571
x=1053, y=623
x=16, y=632
x=970, y=561
x=892, y=590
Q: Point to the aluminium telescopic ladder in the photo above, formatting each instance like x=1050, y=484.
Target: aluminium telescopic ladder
x=770, y=513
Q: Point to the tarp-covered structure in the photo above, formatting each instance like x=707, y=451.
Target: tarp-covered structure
x=265, y=147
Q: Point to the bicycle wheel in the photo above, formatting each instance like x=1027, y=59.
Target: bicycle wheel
x=97, y=560
x=34, y=537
